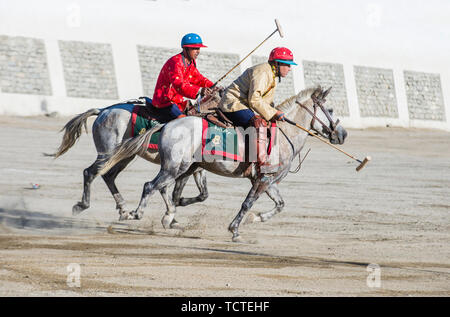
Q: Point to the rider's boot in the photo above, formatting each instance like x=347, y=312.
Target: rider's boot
x=263, y=165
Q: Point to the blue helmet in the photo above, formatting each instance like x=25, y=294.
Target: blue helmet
x=192, y=40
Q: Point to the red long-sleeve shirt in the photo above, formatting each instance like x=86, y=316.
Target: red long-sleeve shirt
x=176, y=80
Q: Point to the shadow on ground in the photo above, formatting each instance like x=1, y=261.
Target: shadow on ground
x=25, y=220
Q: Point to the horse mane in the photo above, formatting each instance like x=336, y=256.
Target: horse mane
x=288, y=104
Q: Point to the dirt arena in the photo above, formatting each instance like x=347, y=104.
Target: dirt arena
x=394, y=214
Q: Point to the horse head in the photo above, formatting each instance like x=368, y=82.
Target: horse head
x=322, y=119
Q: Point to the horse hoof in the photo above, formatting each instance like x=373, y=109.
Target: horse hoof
x=78, y=208
x=123, y=217
x=236, y=239
x=126, y=216
x=176, y=225
x=167, y=221
x=251, y=218
x=136, y=216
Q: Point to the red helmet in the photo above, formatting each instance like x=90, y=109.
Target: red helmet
x=282, y=55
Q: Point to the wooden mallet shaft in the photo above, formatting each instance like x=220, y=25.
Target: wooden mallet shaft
x=278, y=29
x=360, y=166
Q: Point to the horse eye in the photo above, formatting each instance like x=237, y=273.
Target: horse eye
x=330, y=110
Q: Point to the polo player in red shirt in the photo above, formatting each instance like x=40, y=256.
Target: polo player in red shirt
x=179, y=78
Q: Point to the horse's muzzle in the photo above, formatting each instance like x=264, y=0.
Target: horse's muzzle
x=338, y=135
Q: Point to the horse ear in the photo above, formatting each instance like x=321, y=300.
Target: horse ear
x=325, y=93
x=317, y=92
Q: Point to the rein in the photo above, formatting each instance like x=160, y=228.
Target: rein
x=319, y=104
x=300, y=162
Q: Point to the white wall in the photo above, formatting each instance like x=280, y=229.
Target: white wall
x=397, y=34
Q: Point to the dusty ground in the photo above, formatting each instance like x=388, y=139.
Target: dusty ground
x=395, y=213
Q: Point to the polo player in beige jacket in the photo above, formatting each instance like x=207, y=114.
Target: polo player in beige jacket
x=248, y=100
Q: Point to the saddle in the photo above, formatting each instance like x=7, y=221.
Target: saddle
x=145, y=109
x=207, y=108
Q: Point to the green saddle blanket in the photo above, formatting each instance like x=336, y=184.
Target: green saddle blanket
x=140, y=124
x=220, y=143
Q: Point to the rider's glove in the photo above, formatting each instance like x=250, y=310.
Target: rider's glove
x=279, y=116
x=205, y=91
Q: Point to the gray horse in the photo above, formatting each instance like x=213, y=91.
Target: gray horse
x=110, y=129
x=178, y=155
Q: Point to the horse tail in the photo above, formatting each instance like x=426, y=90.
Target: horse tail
x=132, y=146
x=73, y=130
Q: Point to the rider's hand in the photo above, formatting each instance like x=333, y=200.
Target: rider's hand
x=279, y=116
x=205, y=91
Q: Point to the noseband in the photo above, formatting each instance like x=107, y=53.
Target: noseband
x=318, y=103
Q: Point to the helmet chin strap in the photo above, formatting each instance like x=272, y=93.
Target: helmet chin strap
x=276, y=67
x=278, y=72
x=186, y=54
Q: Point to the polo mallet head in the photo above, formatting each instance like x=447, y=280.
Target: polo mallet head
x=360, y=166
x=279, y=29
x=363, y=163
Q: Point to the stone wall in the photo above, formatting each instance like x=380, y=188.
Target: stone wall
x=328, y=75
x=88, y=70
x=376, y=92
x=23, y=66
x=215, y=65
x=285, y=89
x=424, y=96
x=151, y=60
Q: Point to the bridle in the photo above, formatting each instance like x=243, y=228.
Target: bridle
x=318, y=103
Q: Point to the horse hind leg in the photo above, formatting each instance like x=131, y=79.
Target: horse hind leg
x=110, y=178
x=178, y=189
x=200, y=180
x=89, y=174
x=162, y=180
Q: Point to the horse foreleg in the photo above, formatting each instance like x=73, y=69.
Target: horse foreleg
x=274, y=194
x=200, y=180
x=88, y=176
x=257, y=189
x=110, y=178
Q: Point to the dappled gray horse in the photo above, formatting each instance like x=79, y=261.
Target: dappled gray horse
x=110, y=129
x=178, y=155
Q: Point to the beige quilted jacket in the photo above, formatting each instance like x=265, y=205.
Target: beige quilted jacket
x=254, y=89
